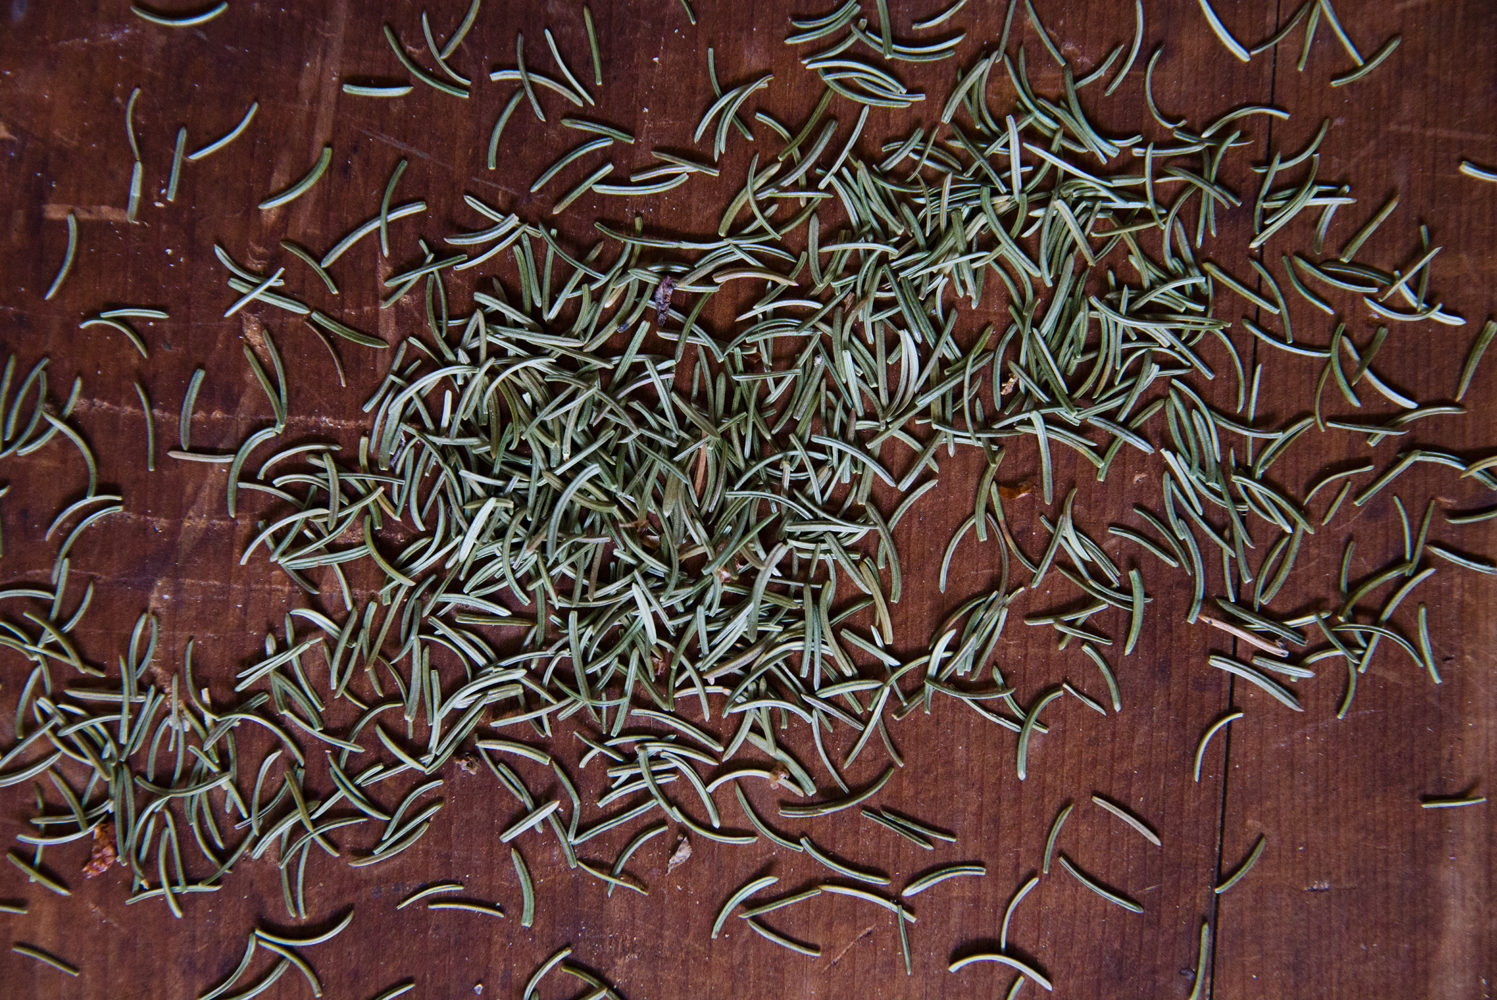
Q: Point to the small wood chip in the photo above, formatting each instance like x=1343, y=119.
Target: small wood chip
x=680, y=856
x=101, y=854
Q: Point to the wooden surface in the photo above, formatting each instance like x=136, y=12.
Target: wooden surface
x=1359, y=891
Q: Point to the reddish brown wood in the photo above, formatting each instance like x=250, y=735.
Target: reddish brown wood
x=1359, y=890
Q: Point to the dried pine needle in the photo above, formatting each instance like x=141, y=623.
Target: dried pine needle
x=46, y=958
x=739, y=895
x=1027, y=970
x=1210, y=732
x=1127, y=817
x=1437, y=802
x=227, y=137
x=179, y=20
x=1097, y=887
x=1233, y=45
x=67, y=257
x=784, y=941
x=1244, y=867
x=1054, y=835
x=302, y=185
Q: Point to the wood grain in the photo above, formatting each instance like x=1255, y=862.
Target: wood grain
x=1359, y=890
x=1364, y=890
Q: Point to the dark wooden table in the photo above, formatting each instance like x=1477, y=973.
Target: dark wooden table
x=1359, y=891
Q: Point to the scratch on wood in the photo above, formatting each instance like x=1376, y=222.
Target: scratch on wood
x=54, y=211
x=867, y=931
x=215, y=414
x=1430, y=132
